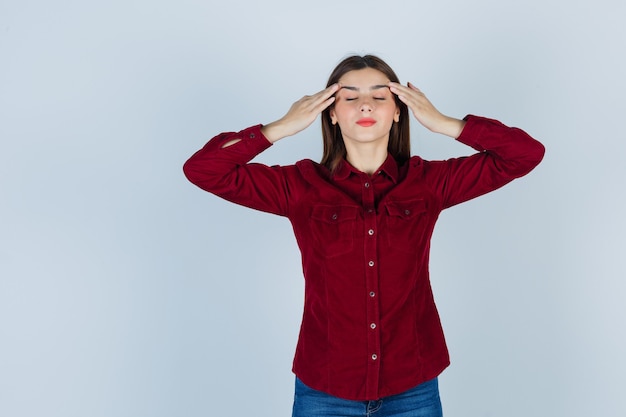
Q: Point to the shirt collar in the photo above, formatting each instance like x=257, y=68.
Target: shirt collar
x=389, y=168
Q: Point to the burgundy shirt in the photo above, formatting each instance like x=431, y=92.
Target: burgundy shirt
x=370, y=327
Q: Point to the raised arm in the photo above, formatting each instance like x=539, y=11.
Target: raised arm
x=223, y=167
x=504, y=153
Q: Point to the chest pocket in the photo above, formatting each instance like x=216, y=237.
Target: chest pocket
x=406, y=225
x=333, y=228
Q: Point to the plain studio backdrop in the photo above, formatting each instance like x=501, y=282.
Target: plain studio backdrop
x=125, y=291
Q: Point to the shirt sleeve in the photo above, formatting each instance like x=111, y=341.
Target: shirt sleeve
x=504, y=153
x=227, y=173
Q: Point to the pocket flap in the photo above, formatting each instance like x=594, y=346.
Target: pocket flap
x=406, y=209
x=334, y=214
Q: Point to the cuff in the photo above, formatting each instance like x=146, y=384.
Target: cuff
x=252, y=140
x=477, y=127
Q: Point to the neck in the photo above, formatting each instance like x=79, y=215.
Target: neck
x=366, y=157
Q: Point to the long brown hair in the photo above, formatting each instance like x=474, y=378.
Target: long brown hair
x=399, y=137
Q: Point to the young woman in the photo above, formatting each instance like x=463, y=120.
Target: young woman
x=371, y=339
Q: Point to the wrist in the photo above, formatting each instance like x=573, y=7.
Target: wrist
x=450, y=126
x=273, y=131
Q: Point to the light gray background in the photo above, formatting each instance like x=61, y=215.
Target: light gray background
x=125, y=291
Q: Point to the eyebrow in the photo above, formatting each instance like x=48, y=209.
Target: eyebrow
x=374, y=87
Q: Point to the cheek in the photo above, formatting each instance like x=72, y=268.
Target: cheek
x=341, y=110
x=394, y=111
x=390, y=111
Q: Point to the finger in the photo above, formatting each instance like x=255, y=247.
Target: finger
x=399, y=89
x=404, y=100
x=320, y=108
x=410, y=88
x=395, y=89
x=413, y=87
x=328, y=91
x=395, y=86
x=311, y=106
x=321, y=97
x=333, y=87
x=403, y=95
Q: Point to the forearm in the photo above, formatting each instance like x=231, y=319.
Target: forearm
x=449, y=126
x=275, y=131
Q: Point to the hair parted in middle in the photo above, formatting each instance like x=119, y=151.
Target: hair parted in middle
x=399, y=136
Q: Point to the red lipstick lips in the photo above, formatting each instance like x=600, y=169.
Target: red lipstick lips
x=366, y=122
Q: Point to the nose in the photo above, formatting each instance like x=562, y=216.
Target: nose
x=366, y=106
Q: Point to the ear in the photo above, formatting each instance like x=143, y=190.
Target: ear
x=396, y=116
x=333, y=116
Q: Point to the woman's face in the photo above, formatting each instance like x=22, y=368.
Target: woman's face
x=365, y=108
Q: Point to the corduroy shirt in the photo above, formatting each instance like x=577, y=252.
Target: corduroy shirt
x=370, y=327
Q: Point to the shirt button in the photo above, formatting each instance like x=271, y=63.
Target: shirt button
x=334, y=216
x=370, y=210
x=252, y=135
x=373, y=325
x=371, y=263
x=407, y=212
x=367, y=185
x=370, y=232
x=374, y=357
x=372, y=294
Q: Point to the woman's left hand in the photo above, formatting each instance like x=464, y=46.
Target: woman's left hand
x=424, y=111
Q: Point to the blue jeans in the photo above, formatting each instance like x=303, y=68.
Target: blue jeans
x=421, y=401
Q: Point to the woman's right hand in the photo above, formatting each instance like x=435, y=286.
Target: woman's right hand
x=301, y=114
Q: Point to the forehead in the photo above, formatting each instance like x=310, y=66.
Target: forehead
x=363, y=78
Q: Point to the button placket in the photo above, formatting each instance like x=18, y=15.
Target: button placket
x=370, y=242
